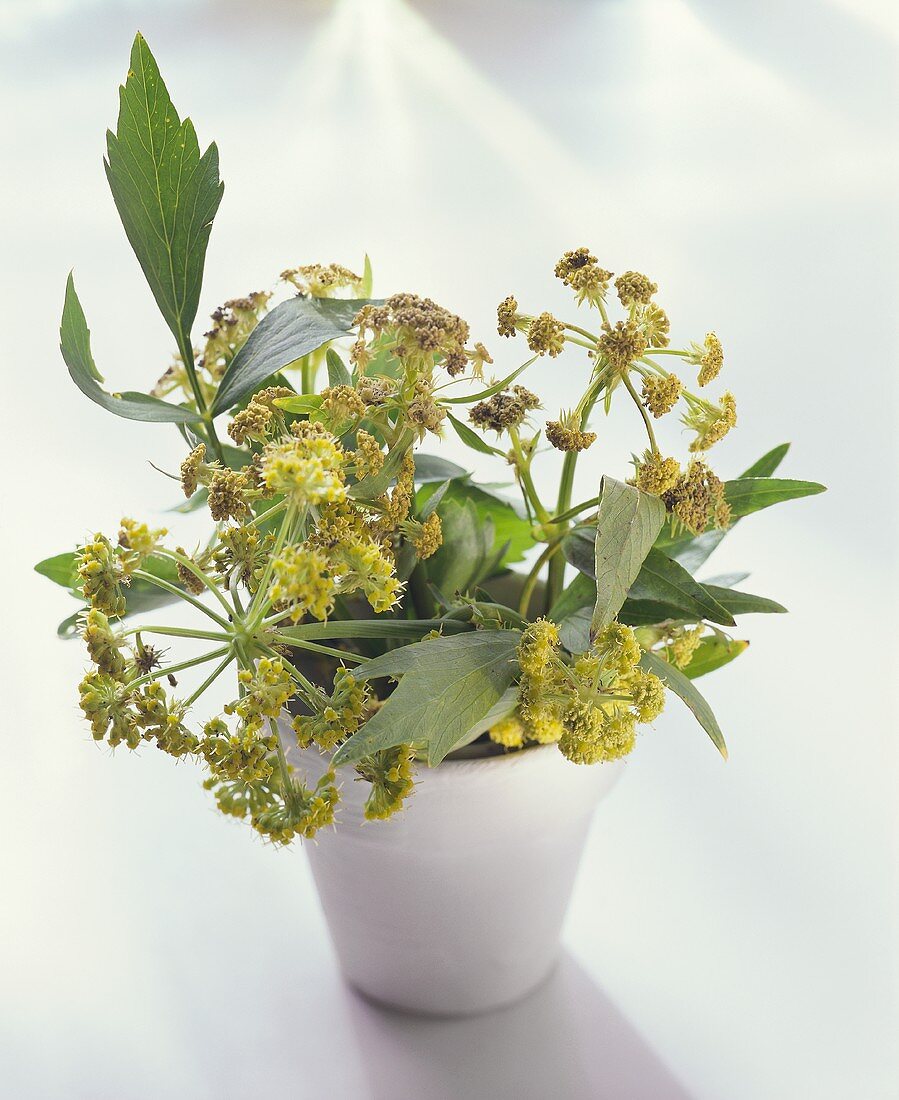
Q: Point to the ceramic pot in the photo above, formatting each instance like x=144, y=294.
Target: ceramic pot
x=455, y=905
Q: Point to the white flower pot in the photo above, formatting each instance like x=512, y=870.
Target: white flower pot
x=455, y=905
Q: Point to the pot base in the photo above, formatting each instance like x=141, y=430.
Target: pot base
x=455, y=906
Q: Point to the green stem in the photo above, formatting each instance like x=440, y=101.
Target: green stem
x=187, y=357
x=576, y=510
x=314, y=647
x=527, y=589
x=180, y=667
x=522, y=464
x=629, y=386
x=197, y=572
x=259, y=604
x=182, y=595
x=180, y=632
x=211, y=678
x=583, y=332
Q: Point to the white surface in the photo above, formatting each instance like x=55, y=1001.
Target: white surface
x=455, y=906
x=733, y=931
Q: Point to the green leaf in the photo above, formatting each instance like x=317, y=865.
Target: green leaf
x=290, y=331
x=468, y=540
x=302, y=403
x=768, y=463
x=338, y=375
x=60, y=569
x=431, y=501
x=684, y=687
x=743, y=603
x=75, y=345
x=713, y=653
x=491, y=390
x=626, y=527
x=502, y=708
x=446, y=686
x=664, y=581
x=509, y=525
x=471, y=438
x=166, y=193
x=434, y=468
x=751, y=494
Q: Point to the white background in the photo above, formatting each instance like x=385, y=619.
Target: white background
x=733, y=932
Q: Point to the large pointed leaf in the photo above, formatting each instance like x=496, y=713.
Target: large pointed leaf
x=685, y=688
x=664, y=581
x=75, y=345
x=751, y=494
x=743, y=603
x=446, y=686
x=290, y=331
x=166, y=193
x=768, y=463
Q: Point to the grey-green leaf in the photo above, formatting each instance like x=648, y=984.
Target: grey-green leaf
x=75, y=345
x=166, y=193
x=684, y=687
x=290, y=331
x=447, y=685
x=743, y=603
x=665, y=581
x=626, y=527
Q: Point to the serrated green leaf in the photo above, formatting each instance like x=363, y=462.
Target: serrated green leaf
x=471, y=438
x=627, y=523
x=166, y=193
x=75, y=345
x=446, y=686
x=768, y=463
x=291, y=330
x=747, y=495
x=686, y=690
x=338, y=375
x=713, y=653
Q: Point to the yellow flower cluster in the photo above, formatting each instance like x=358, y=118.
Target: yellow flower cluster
x=243, y=755
x=323, y=280
x=301, y=583
x=580, y=270
x=307, y=468
x=660, y=394
x=390, y=773
x=710, y=422
x=102, y=575
x=337, y=717
x=266, y=691
x=591, y=707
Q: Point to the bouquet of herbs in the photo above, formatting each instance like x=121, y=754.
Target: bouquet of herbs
x=358, y=591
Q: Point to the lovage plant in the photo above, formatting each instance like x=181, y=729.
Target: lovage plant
x=358, y=592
